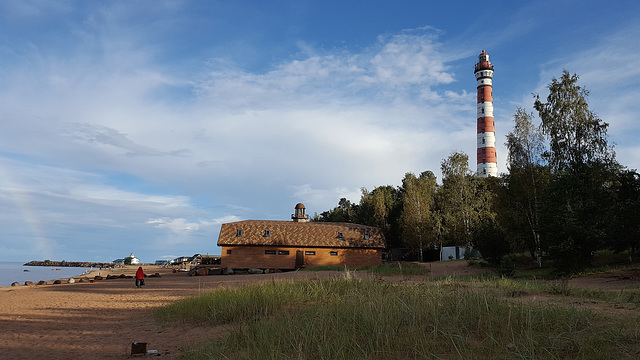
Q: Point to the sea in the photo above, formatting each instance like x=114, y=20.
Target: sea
x=11, y=272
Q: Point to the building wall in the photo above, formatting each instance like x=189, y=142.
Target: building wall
x=242, y=257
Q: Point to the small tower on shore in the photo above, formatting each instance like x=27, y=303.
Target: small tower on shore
x=299, y=215
x=486, y=134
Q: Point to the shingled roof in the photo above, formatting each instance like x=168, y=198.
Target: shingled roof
x=301, y=234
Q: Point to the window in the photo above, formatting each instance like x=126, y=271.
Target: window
x=333, y=253
x=309, y=252
x=228, y=252
x=340, y=235
x=267, y=233
x=366, y=236
x=239, y=233
x=269, y=252
x=483, y=140
x=283, y=252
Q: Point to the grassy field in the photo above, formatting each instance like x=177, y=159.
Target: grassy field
x=481, y=317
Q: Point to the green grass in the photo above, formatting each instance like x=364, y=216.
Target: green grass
x=474, y=318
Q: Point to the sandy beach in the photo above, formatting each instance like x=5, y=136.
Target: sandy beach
x=100, y=320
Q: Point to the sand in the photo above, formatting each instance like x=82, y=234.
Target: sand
x=100, y=320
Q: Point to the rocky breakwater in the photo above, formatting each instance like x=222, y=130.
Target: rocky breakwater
x=70, y=264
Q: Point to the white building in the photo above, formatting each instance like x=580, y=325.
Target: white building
x=134, y=260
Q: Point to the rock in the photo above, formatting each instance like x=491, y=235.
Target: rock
x=255, y=271
x=157, y=274
x=122, y=276
x=227, y=271
x=28, y=283
x=57, y=282
x=98, y=277
x=215, y=271
x=202, y=272
x=15, y=283
x=71, y=281
x=266, y=271
x=42, y=282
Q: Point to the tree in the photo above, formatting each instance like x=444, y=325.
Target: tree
x=463, y=199
x=417, y=219
x=625, y=234
x=344, y=212
x=526, y=183
x=380, y=208
x=580, y=197
x=577, y=136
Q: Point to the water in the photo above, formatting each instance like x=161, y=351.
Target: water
x=14, y=271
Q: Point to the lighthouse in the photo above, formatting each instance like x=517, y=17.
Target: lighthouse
x=486, y=135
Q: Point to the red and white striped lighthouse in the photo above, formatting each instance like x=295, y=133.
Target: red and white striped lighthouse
x=487, y=158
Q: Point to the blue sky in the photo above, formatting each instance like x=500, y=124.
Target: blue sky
x=143, y=126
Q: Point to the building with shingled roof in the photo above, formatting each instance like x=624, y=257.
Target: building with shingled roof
x=288, y=245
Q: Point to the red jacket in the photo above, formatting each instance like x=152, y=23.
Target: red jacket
x=140, y=273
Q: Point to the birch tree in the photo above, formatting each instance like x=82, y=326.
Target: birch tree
x=417, y=219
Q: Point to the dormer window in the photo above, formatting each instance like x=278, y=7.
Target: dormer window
x=267, y=233
x=340, y=235
x=239, y=233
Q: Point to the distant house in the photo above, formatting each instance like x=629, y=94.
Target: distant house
x=134, y=260
x=271, y=244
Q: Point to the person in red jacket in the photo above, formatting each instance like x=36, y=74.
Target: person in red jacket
x=139, y=277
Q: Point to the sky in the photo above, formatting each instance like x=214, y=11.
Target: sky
x=143, y=126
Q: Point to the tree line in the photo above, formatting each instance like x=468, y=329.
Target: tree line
x=563, y=197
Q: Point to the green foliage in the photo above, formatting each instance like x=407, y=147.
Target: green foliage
x=490, y=240
x=577, y=137
x=127, y=260
x=418, y=217
x=624, y=219
x=454, y=199
x=521, y=195
x=579, y=200
x=381, y=208
x=575, y=217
